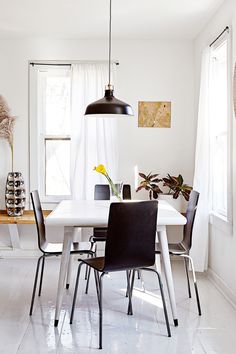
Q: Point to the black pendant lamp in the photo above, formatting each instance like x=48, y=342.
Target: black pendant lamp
x=109, y=105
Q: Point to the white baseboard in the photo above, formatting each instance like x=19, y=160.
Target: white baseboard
x=219, y=283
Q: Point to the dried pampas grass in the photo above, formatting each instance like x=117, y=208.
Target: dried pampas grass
x=6, y=124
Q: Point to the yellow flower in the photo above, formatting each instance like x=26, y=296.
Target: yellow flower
x=101, y=169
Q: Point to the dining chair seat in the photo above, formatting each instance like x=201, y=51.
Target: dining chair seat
x=174, y=248
x=96, y=263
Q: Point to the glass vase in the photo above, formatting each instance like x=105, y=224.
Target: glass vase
x=116, y=192
x=15, y=194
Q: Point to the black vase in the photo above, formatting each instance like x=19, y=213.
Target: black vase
x=15, y=194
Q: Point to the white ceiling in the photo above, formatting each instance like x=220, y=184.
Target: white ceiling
x=181, y=19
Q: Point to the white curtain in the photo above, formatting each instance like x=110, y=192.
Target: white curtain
x=93, y=140
x=202, y=178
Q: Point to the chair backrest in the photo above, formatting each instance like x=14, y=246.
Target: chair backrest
x=126, y=192
x=38, y=213
x=190, y=215
x=102, y=192
x=131, y=235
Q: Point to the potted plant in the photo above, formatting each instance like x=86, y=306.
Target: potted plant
x=178, y=193
x=177, y=186
x=150, y=183
x=15, y=190
x=6, y=125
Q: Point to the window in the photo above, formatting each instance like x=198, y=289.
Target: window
x=219, y=127
x=50, y=131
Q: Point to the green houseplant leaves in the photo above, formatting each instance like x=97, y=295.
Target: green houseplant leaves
x=150, y=184
x=177, y=186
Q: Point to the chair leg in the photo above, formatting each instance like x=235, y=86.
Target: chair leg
x=195, y=283
x=87, y=267
x=163, y=299
x=100, y=310
x=75, y=292
x=139, y=277
x=129, y=273
x=88, y=278
x=87, y=272
x=41, y=276
x=96, y=277
x=35, y=285
x=132, y=282
x=131, y=291
x=187, y=275
x=130, y=310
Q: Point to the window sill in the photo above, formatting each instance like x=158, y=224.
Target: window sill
x=222, y=223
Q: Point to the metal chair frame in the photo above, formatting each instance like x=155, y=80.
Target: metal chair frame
x=42, y=245
x=135, y=254
x=186, y=245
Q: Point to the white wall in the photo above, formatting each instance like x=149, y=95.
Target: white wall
x=222, y=248
x=149, y=70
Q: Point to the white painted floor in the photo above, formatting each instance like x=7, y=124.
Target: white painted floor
x=144, y=332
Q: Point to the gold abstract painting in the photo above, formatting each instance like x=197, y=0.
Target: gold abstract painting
x=154, y=114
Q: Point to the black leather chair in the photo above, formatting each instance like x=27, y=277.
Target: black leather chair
x=182, y=249
x=102, y=192
x=51, y=249
x=130, y=245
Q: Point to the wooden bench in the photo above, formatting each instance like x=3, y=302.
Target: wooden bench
x=13, y=221
x=26, y=218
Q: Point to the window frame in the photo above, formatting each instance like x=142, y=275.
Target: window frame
x=37, y=138
x=224, y=222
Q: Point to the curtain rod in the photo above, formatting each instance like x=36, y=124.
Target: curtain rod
x=68, y=64
x=226, y=29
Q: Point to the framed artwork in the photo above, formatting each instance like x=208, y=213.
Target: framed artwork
x=154, y=114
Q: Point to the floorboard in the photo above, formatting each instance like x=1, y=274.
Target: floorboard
x=144, y=332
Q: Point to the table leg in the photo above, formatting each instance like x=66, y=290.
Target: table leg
x=167, y=270
x=158, y=258
x=68, y=237
x=158, y=263
x=14, y=235
x=69, y=273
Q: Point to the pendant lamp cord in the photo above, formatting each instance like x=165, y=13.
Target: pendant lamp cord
x=109, y=80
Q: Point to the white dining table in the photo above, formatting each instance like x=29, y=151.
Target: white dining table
x=94, y=213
